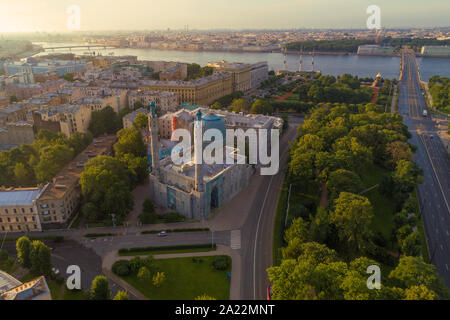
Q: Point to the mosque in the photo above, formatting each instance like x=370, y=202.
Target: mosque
x=195, y=190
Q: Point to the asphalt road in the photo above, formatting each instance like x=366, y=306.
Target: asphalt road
x=257, y=231
x=431, y=156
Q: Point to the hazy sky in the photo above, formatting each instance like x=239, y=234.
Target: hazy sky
x=50, y=15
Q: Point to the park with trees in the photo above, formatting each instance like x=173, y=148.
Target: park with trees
x=352, y=204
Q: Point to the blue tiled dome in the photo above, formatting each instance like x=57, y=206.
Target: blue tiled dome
x=213, y=121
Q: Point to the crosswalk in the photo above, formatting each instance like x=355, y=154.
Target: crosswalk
x=235, y=242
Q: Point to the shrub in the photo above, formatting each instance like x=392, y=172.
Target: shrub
x=148, y=206
x=148, y=217
x=136, y=263
x=121, y=268
x=172, y=217
x=144, y=274
x=158, y=279
x=220, y=263
x=175, y=247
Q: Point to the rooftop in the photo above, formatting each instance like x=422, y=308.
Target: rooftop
x=18, y=197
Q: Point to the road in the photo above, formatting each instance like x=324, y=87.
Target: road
x=431, y=156
x=257, y=231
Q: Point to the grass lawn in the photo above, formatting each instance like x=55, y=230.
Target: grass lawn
x=59, y=291
x=383, y=208
x=186, y=279
x=145, y=253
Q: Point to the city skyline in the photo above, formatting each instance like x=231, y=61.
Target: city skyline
x=204, y=15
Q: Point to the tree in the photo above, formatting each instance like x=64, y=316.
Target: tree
x=69, y=77
x=130, y=141
x=148, y=214
x=104, y=121
x=413, y=271
x=100, y=289
x=301, y=166
x=52, y=159
x=412, y=245
x=239, y=105
x=398, y=150
x=23, y=247
x=343, y=180
x=144, y=274
x=137, y=166
x=352, y=215
x=147, y=205
x=105, y=183
x=261, y=107
x=141, y=121
x=298, y=229
x=24, y=175
x=216, y=106
x=313, y=274
x=121, y=295
x=351, y=154
x=158, y=279
x=138, y=105
x=13, y=98
x=204, y=297
x=40, y=258
x=79, y=141
x=406, y=175
x=419, y=293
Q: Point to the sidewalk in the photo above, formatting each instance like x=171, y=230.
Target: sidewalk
x=235, y=285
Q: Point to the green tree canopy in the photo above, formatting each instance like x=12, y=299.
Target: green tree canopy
x=100, y=289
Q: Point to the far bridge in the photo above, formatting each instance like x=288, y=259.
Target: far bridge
x=81, y=46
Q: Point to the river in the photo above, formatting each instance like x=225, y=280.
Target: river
x=363, y=66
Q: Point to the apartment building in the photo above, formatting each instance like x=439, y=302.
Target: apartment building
x=203, y=91
x=259, y=73
x=18, y=209
x=164, y=101
x=16, y=133
x=240, y=75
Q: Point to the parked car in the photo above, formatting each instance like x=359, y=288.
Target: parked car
x=269, y=292
x=162, y=234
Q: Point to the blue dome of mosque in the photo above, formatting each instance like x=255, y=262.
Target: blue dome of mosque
x=213, y=121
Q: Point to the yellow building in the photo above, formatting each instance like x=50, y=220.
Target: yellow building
x=203, y=91
x=240, y=74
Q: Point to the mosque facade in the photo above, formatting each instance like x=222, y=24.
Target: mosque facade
x=195, y=189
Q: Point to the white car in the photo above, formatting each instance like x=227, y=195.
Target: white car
x=162, y=234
